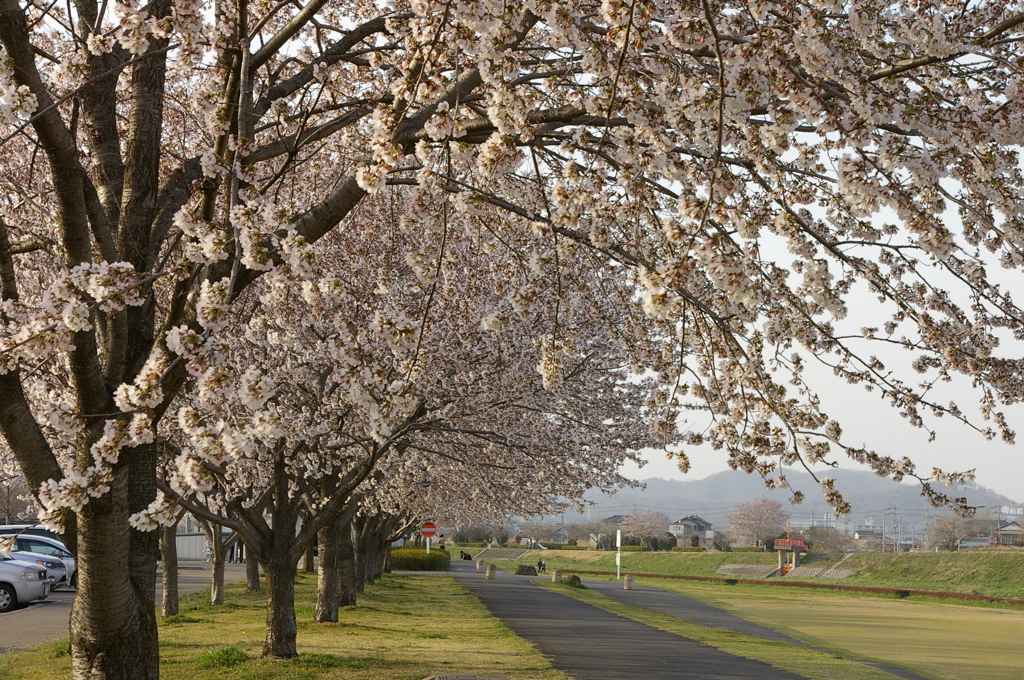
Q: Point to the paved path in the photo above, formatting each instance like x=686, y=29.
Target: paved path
x=682, y=607
x=589, y=643
x=47, y=621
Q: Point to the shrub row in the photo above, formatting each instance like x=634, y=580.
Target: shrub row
x=746, y=549
x=416, y=559
x=687, y=548
x=563, y=546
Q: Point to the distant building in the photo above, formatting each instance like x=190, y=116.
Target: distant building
x=685, y=529
x=1009, y=532
x=615, y=519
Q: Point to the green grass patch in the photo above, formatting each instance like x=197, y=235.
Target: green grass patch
x=404, y=628
x=809, y=663
x=936, y=639
x=997, y=572
x=225, y=657
x=58, y=649
x=993, y=572
x=178, y=618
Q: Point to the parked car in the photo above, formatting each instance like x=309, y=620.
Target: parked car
x=29, y=530
x=21, y=583
x=41, y=546
x=56, y=571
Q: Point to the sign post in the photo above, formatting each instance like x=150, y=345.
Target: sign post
x=618, y=554
x=428, y=529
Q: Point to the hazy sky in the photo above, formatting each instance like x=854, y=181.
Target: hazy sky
x=868, y=420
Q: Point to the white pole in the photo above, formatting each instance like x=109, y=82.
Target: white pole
x=618, y=554
x=428, y=545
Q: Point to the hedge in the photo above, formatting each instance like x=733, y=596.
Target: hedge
x=687, y=548
x=417, y=559
x=564, y=546
x=747, y=549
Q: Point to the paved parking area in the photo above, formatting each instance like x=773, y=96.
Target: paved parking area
x=47, y=621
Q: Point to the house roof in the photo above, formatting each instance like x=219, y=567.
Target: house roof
x=615, y=519
x=694, y=519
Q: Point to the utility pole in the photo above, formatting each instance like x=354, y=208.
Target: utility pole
x=885, y=514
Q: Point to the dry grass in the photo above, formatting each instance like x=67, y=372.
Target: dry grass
x=405, y=628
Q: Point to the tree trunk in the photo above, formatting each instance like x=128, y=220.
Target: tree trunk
x=281, y=628
x=387, y=559
x=113, y=618
x=373, y=560
x=252, y=572
x=169, y=557
x=215, y=538
x=347, y=567
x=217, y=578
x=328, y=586
x=308, y=566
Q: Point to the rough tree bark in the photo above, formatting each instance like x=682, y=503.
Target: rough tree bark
x=335, y=547
x=309, y=561
x=252, y=572
x=280, y=571
x=328, y=582
x=218, y=548
x=113, y=618
x=346, y=567
x=169, y=558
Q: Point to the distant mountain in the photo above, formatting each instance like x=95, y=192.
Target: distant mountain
x=718, y=495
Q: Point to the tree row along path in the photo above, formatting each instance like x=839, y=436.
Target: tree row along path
x=586, y=642
x=686, y=608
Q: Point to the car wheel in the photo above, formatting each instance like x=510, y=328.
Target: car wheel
x=74, y=580
x=8, y=599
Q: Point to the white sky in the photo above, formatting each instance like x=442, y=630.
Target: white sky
x=870, y=421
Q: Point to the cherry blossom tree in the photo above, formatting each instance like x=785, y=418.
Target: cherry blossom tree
x=645, y=525
x=312, y=394
x=758, y=520
x=738, y=171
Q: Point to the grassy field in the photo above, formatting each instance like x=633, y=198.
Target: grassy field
x=405, y=628
x=999, y=573
x=695, y=564
x=939, y=640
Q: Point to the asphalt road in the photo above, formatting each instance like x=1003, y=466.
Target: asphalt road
x=47, y=621
x=588, y=643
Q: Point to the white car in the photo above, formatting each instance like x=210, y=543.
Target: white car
x=47, y=548
x=21, y=583
x=56, y=571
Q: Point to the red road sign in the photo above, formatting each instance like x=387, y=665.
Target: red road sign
x=428, y=529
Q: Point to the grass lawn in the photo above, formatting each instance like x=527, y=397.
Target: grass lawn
x=404, y=628
x=937, y=639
